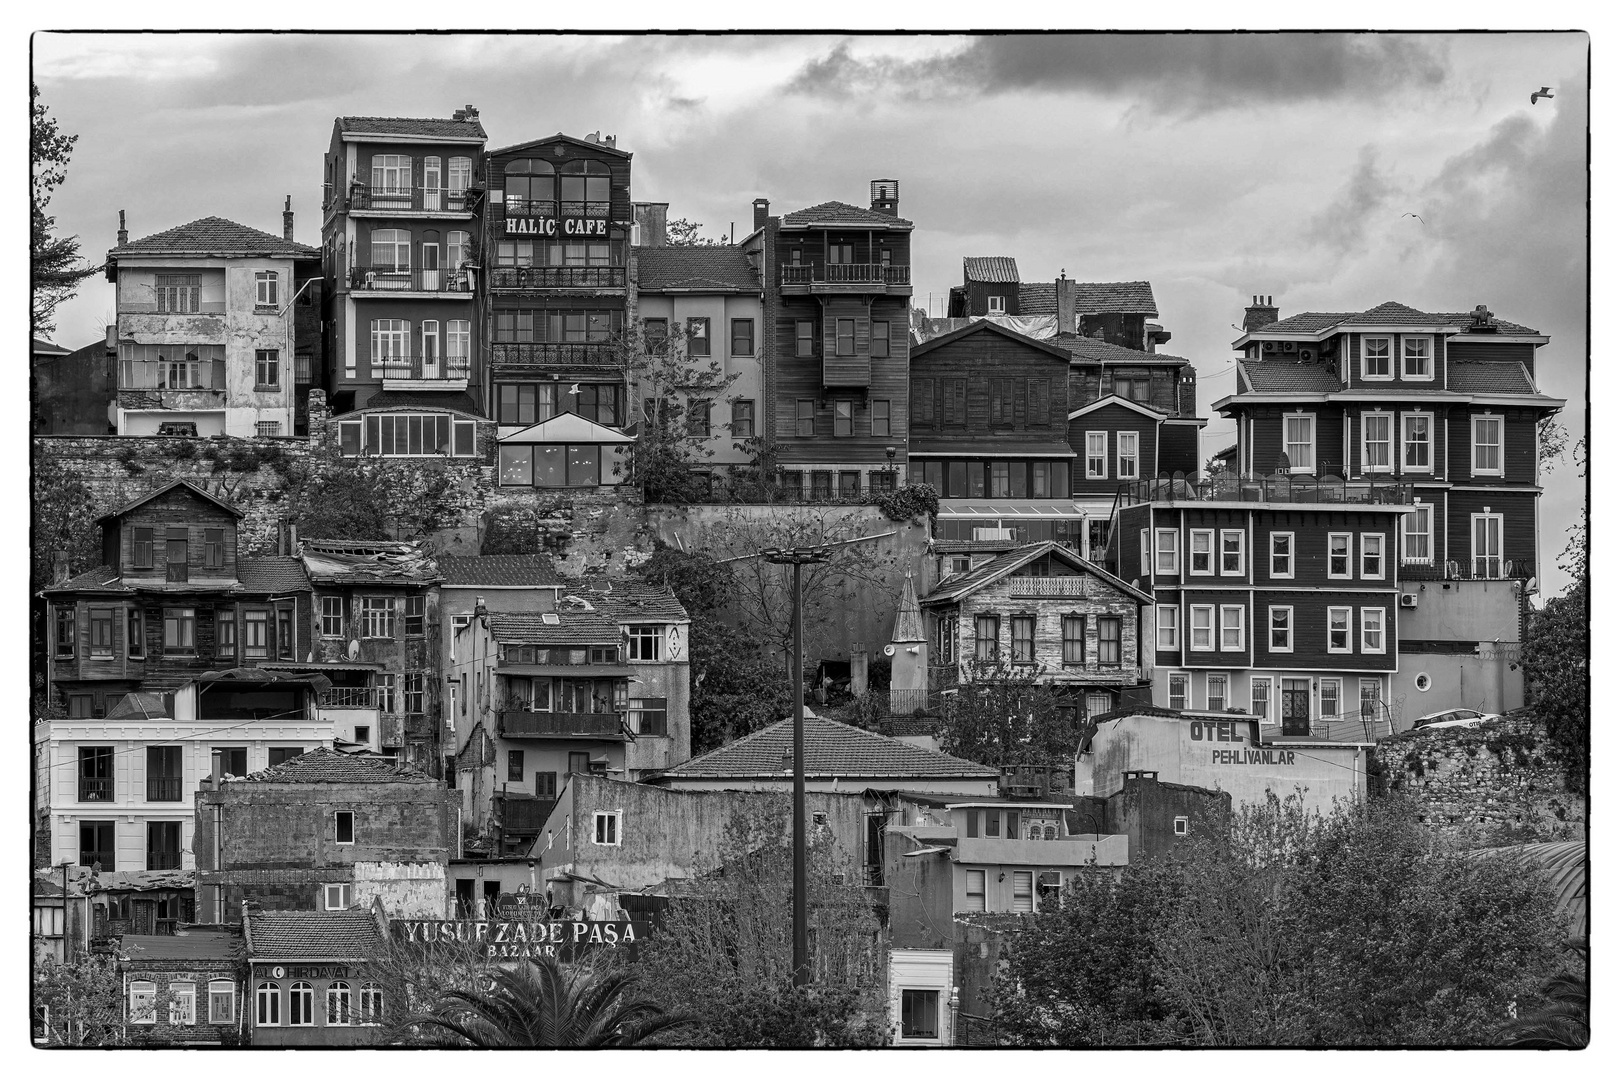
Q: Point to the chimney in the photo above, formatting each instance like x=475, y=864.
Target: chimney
x=467, y=115
x=1260, y=313
x=112, y=337
x=123, y=233
x=886, y=197
x=610, y=141
x=762, y=212
x=217, y=768
x=59, y=567
x=1066, y=323
x=286, y=221
x=651, y=219
x=478, y=607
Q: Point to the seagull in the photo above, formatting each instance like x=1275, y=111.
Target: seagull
x=1418, y=216
x=574, y=389
x=1544, y=92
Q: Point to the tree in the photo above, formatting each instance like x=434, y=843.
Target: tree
x=1552, y=439
x=1556, y=652
x=684, y=233
x=542, y=1003
x=57, y=268
x=1563, y=1019
x=64, y=520
x=679, y=385
x=80, y=1002
x=725, y=948
x=1003, y=714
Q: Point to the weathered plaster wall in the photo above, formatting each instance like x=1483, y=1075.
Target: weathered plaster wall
x=408, y=890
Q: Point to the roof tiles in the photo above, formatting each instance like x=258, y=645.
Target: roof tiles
x=272, y=574
x=1090, y=298
x=629, y=601
x=1389, y=313
x=1099, y=351
x=1288, y=377
x=312, y=935
x=840, y=213
x=433, y=127
x=831, y=749
x=1480, y=377
x=214, y=236
x=720, y=268
x=325, y=766
x=570, y=628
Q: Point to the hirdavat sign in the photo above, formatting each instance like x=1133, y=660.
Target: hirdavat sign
x=513, y=937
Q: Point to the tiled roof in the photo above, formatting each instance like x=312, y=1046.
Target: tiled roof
x=457, y=400
x=214, y=235
x=312, y=935
x=953, y=588
x=324, y=766
x=1287, y=377
x=629, y=601
x=1388, y=313
x=473, y=570
x=1465, y=319
x=197, y=943
x=840, y=212
x=830, y=749
x=1306, y=322
x=1391, y=313
x=571, y=628
x=272, y=574
x=1099, y=351
x=1482, y=377
x=371, y=561
x=102, y=578
x=912, y=725
x=992, y=268
x=141, y=705
x=1090, y=298
x=471, y=130
x=721, y=268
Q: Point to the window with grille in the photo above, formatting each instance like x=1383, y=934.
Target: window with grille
x=1216, y=693
x=1178, y=691
x=178, y=294
x=268, y=427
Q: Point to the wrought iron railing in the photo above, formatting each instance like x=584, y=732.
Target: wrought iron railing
x=456, y=368
x=521, y=722
x=1180, y=487
x=163, y=789
x=555, y=353
x=349, y=697
x=367, y=197
x=557, y=277
x=816, y=273
x=94, y=789
x=1479, y=569
x=408, y=279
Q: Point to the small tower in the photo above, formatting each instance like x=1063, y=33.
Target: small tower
x=908, y=675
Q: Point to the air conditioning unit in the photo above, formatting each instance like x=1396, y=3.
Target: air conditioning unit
x=1288, y=346
x=1269, y=346
x=1408, y=599
x=1307, y=355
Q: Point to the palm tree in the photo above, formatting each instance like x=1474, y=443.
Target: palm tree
x=542, y=1004
x=1563, y=1023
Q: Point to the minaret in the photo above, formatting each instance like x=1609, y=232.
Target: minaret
x=908, y=675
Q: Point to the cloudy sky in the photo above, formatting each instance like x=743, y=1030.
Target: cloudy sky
x=1215, y=166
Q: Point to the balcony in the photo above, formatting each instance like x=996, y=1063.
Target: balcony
x=816, y=277
x=517, y=206
x=405, y=280
x=94, y=789
x=523, y=813
x=527, y=278
x=163, y=789
x=559, y=354
x=349, y=697
x=436, y=372
x=1354, y=726
x=168, y=384
x=410, y=200
x=1483, y=569
x=1275, y=488
x=523, y=724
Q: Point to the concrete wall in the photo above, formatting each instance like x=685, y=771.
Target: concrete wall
x=408, y=890
x=719, y=309
x=1462, y=611
x=1488, y=679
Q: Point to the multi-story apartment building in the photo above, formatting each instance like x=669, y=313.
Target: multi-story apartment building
x=837, y=284
x=205, y=334
x=399, y=248
x=556, y=247
x=1113, y=311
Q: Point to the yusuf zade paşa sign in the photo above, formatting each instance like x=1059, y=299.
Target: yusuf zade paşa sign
x=528, y=937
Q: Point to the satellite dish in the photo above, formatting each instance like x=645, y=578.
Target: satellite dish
x=888, y=650
x=354, y=648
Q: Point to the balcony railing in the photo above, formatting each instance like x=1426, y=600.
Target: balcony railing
x=1481, y=569
x=555, y=353
x=409, y=279
x=1035, y=587
x=521, y=722
x=426, y=368
x=524, y=814
x=1273, y=489
x=92, y=789
x=163, y=860
x=908, y=702
x=349, y=697
x=1355, y=725
x=816, y=273
x=557, y=277
x=517, y=206
x=163, y=789
x=171, y=375
x=366, y=197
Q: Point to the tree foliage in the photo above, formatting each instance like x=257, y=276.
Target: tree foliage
x=64, y=520
x=1278, y=927
x=1556, y=654
x=1004, y=714
x=680, y=388
x=79, y=1002
x=56, y=266
x=684, y=233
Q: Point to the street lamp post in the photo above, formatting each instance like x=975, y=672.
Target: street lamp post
x=798, y=558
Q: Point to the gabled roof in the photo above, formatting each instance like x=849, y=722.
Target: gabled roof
x=142, y=705
x=193, y=943
x=831, y=749
x=998, y=269
x=632, y=601
x=324, y=766
x=1389, y=313
x=468, y=571
x=1488, y=377
x=1096, y=350
x=46, y=348
x=1090, y=298
x=558, y=628
x=841, y=213
x=567, y=427
x=957, y=587
x=433, y=127
x=985, y=326
x=1115, y=399
x=170, y=486
x=215, y=236
x=370, y=561
x=560, y=137
x=101, y=579
x=1287, y=377
x=718, y=268
x=272, y=574
x=312, y=935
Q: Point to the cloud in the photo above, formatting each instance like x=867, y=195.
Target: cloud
x=1171, y=74
x=1342, y=224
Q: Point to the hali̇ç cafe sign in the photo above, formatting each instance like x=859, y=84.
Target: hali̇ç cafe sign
x=502, y=938
x=550, y=226
x=1239, y=735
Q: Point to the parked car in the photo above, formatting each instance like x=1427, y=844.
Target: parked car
x=1453, y=718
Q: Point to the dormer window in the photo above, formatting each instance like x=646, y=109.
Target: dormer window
x=998, y=305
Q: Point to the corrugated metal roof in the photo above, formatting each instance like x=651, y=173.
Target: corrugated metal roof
x=990, y=268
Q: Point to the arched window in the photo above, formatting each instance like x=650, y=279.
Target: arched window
x=585, y=189
x=337, y=1004
x=1050, y=833
x=531, y=187
x=301, y=1005
x=1035, y=831
x=371, y=1003
x=268, y=998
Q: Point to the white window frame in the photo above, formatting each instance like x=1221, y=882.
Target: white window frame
x=1389, y=357
x=227, y=988
x=1349, y=555
x=1427, y=375
x=369, y=1004
x=1377, y=631
x=1286, y=629
x=142, y=1001
x=1161, y=550
x=1147, y=551
x=1427, y=468
x=326, y=602
x=1167, y=617
x=1388, y=443
x=1226, y=690
x=1240, y=553
x=638, y=636
x=983, y=892
x=305, y=989
x=1348, y=629
x=996, y=304
x=1424, y=512
x=1306, y=465
x=376, y=615
x=1372, y=547
x=1133, y=458
x=1338, y=697
x=1271, y=696
x=1288, y=556
x=267, y=994
x=1493, y=421
x=1186, y=689
x=1236, y=625
x=1208, y=535
x=333, y=989
x=345, y=896
x=266, y=288
x=614, y=820
x=1474, y=554
x=390, y=338
x=1097, y=455
x=1208, y=612
x=184, y=991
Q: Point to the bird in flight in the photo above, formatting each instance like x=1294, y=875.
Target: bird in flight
x=1544, y=92
x=1418, y=216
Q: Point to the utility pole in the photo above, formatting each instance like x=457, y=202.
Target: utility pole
x=798, y=558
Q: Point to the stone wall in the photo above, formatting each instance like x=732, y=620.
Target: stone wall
x=1498, y=783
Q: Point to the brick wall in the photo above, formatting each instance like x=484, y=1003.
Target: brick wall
x=1498, y=783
